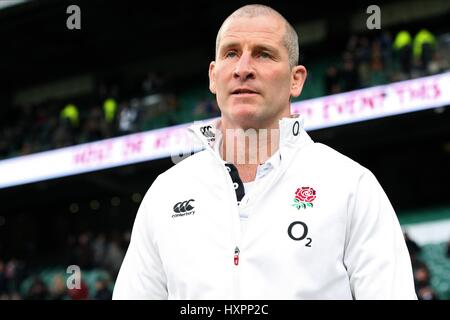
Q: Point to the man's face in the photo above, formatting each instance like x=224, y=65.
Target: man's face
x=251, y=76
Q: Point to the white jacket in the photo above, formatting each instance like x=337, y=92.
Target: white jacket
x=343, y=242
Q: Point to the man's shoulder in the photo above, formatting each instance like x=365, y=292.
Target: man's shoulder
x=187, y=166
x=182, y=176
x=330, y=158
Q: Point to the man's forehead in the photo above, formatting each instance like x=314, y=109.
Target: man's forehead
x=261, y=22
x=268, y=26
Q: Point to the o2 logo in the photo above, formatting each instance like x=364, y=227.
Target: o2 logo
x=298, y=231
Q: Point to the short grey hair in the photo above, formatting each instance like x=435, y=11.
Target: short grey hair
x=290, y=38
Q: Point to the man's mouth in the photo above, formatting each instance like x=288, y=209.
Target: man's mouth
x=243, y=91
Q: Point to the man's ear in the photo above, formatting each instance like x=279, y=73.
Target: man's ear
x=212, y=81
x=299, y=74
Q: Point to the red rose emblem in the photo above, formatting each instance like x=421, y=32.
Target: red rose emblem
x=305, y=194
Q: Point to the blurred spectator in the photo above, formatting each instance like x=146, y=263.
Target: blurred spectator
x=94, y=127
x=421, y=277
x=386, y=49
x=14, y=272
x=352, y=44
x=83, y=252
x=377, y=71
x=58, y=289
x=417, y=262
x=70, y=115
x=152, y=83
x=126, y=238
x=3, y=283
x=348, y=74
x=427, y=293
x=15, y=296
x=114, y=255
x=127, y=118
x=173, y=112
x=102, y=289
x=332, y=85
x=61, y=137
x=206, y=108
x=423, y=48
x=412, y=246
x=79, y=294
x=403, y=47
x=362, y=55
x=38, y=290
x=99, y=249
x=437, y=64
x=110, y=109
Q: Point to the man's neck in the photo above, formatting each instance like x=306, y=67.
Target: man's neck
x=247, y=172
x=246, y=149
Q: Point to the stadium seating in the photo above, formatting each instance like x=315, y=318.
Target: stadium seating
x=47, y=275
x=434, y=255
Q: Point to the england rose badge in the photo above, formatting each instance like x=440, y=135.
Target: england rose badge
x=304, y=196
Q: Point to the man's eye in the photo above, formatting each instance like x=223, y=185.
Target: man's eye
x=230, y=54
x=264, y=54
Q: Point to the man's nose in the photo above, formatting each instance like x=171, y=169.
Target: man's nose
x=244, y=69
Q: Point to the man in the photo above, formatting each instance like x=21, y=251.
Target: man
x=295, y=221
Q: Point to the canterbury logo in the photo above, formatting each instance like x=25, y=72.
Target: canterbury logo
x=206, y=131
x=183, y=206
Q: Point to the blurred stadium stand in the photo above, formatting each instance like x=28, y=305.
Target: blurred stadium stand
x=152, y=60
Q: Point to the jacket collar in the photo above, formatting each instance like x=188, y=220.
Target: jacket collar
x=292, y=134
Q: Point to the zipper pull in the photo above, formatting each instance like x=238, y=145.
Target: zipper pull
x=236, y=256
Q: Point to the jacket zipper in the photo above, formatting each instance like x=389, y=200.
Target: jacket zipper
x=235, y=222
x=236, y=236
x=236, y=256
